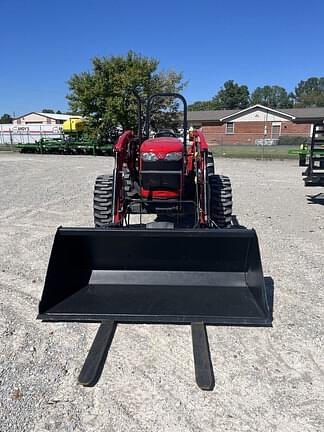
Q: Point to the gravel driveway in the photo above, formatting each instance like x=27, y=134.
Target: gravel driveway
x=267, y=379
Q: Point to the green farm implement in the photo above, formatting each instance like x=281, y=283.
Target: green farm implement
x=66, y=146
x=302, y=152
x=73, y=140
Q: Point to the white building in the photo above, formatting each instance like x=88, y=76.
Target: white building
x=39, y=118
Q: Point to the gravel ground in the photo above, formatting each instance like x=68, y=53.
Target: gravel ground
x=267, y=379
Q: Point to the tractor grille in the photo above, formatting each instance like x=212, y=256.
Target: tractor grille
x=162, y=165
x=161, y=175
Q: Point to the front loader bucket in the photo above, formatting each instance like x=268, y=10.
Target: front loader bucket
x=167, y=276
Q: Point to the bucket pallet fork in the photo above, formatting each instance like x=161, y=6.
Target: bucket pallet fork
x=190, y=266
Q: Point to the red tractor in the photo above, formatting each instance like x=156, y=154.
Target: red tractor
x=177, y=269
x=166, y=176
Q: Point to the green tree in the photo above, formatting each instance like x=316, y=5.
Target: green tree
x=310, y=92
x=232, y=96
x=272, y=96
x=104, y=95
x=202, y=106
x=48, y=111
x=5, y=119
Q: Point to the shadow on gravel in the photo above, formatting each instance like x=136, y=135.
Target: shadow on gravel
x=316, y=199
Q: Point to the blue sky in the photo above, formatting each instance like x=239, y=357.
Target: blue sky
x=210, y=41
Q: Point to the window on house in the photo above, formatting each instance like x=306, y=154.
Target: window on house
x=229, y=128
x=276, y=129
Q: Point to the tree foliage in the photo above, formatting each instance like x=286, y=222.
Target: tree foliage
x=48, y=111
x=232, y=96
x=105, y=94
x=310, y=93
x=202, y=106
x=6, y=119
x=272, y=97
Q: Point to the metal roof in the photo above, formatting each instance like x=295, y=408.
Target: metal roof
x=50, y=115
x=58, y=116
x=305, y=112
x=214, y=115
x=307, y=115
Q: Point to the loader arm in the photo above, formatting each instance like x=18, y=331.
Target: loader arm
x=125, y=156
x=197, y=163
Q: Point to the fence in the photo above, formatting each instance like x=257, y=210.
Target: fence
x=12, y=134
x=247, y=138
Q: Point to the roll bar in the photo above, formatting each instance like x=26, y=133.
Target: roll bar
x=148, y=113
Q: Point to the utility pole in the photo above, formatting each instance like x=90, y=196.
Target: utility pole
x=265, y=133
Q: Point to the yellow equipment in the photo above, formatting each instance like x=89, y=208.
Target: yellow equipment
x=73, y=125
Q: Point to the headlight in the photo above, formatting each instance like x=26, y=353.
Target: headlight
x=174, y=156
x=149, y=157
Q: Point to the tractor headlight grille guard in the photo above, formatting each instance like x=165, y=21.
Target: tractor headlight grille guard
x=152, y=157
x=149, y=157
x=173, y=156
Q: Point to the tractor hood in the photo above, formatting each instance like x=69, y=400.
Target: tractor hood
x=162, y=145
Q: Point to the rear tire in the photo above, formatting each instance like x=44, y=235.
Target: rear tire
x=220, y=203
x=103, y=201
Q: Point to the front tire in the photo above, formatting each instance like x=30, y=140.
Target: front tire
x=103, y=201
x=210, y=164
x=220, y=200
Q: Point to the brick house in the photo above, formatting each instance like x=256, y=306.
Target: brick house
x=255, y=123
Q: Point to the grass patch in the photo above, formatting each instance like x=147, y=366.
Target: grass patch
x=253, y=152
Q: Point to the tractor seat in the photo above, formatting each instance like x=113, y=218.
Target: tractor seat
x=165, y=133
